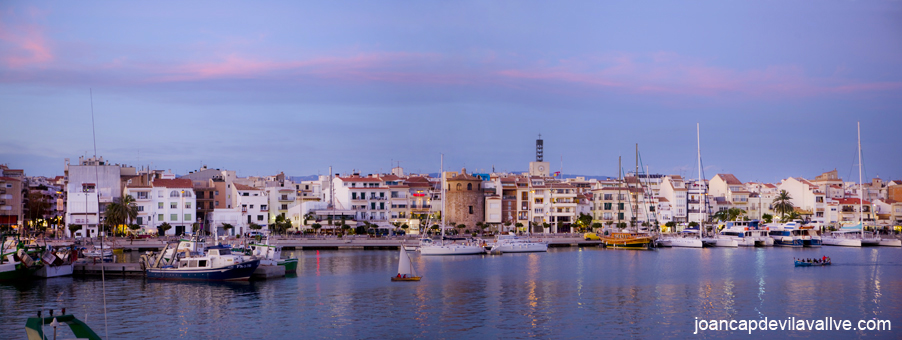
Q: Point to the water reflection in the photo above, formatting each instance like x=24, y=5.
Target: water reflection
x=563, y=293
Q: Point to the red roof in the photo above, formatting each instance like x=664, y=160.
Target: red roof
x=729, y=179
x=851, y=201
x=9, y=179
x=173, y=183
x=244, y=187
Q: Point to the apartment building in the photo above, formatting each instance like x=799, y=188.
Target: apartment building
x=12, y=182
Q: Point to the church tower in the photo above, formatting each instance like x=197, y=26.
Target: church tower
x=539, y=167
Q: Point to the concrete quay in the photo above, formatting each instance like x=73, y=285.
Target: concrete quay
x=328, y=242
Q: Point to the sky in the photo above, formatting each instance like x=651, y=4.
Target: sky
x=776, y=87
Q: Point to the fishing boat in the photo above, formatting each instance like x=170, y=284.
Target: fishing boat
x=271, y=255
x=34, y=327
x=16, y=264
x=405, y=269
x=57, y=262
x=214, y=264
x=812, y=263
x=511, y=243
x=456, y=246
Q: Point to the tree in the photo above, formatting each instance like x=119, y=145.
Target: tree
x=345, y=228
x=134, y=227
x=783, y=204
x=254, y=226
x=518, y=225
x=670, y=225
x=316, y=227
x=693, y=224
x=461, y=227
x=164, y=227
x=227, y=227
x=596, y=226
x=73, y=228
x=768, y=218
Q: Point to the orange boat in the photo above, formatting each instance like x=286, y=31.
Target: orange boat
x=628, y=240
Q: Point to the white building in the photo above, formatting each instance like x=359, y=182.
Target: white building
x=253, y=204
x=92, y=184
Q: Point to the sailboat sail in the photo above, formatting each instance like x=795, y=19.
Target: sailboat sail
x=404, y=267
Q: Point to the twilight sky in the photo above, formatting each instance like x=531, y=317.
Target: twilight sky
x=260, y=88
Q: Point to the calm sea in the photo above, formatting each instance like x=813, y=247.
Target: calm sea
x=564, y=293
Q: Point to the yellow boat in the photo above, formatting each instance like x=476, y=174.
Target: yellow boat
x=628, y=240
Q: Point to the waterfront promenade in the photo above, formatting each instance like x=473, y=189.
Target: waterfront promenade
x=316, y=242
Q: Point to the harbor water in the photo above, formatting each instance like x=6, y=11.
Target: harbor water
x=568, y=293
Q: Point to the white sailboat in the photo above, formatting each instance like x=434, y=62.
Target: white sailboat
x=512, y=243
x=405, y=269
x=689, y=239
x=456, y=247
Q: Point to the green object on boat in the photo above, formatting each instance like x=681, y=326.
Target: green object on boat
x=35, y=327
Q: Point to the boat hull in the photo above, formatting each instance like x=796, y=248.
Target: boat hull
x=55, y=271
x=810, y=264
x=812, y=243
x=235, y=272
x=415, y=278
x=787, y=242
x=841, y=242
x=11, y=272
x=291, y=265
x=438, y=250
x=522, y=248
x=721, y=242
x=890, y=242
x=682, y=242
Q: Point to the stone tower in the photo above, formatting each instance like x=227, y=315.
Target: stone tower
x=465, y=201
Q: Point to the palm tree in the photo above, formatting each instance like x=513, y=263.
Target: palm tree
x=227, y=227
x=783, y=204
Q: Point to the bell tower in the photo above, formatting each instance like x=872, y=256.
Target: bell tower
x=539, y=167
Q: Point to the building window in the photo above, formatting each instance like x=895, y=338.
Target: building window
x=187, y=205
x=458, y=186
x=140, y=208
x=140, y=220
x=173, y=205
x=217, y=203
x=470, y=187
x=160, y=217
x=173, y=193
x=216, y=192
x=200, y=194
x=187, y=217
x=284, y=206
x=173, y=217
x=142, y=195
x=471, y=208
x=160, y=205
x=259, y=217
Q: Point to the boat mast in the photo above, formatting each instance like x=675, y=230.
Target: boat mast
x=619, y=188
x=860, y=213
x=441, y=175
x=699, y=150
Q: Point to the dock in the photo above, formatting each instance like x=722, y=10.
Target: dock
x=108, y=269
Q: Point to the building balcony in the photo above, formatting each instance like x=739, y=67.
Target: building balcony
x=285, y=199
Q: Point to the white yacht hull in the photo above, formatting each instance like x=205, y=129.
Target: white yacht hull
x=890, y=242
x=721, y=242
x=452, y=249
x=842, y=242
x=55, y=271
x=685, y=242
x=870, y=242
x=526, y=247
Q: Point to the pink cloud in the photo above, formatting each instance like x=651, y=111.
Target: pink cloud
x=23, y=44
x=669, y=73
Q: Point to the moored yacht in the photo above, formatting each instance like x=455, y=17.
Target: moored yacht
x=782, y=233
x=746, y=234
x=512, y=243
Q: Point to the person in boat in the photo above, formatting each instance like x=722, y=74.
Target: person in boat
x=399, y=275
